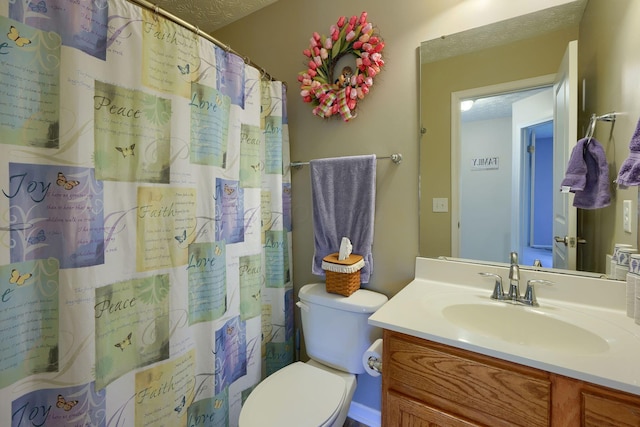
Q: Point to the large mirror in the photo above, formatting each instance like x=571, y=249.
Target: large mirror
x=483, y=191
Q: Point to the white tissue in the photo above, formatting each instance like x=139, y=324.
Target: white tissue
x=345, y=249
x=372, y=359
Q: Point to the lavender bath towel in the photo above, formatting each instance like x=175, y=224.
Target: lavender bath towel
x=576, y=175
x=629, y=173
x=588, y=175
x=343, y=193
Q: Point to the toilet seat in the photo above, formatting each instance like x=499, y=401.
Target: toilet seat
x=297, y=395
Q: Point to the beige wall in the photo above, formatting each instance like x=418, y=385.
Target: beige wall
x=609, y=63
x=516, y=61
x=274, y=38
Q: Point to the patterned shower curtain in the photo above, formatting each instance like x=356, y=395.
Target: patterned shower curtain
x=145, y=220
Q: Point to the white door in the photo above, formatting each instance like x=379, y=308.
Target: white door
x=565, y=138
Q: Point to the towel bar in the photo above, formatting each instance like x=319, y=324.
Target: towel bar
x=395, y=158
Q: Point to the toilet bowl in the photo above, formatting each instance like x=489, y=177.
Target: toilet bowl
x=300, y=395
x=318, y=393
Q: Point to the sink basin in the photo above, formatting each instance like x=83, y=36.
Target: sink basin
x=524, y=326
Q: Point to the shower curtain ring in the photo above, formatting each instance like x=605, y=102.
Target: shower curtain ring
x=247, y=60
x=197, y=31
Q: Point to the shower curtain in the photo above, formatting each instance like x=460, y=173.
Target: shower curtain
x=145, y=220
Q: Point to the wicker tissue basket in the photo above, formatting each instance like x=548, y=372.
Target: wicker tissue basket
x=342, y=276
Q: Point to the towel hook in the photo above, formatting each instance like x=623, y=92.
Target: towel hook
x=609, y=117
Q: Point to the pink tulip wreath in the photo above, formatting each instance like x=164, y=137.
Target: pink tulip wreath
x=333, y=95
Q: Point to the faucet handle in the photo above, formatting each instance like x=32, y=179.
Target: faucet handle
x=498, y=292
x=529, y=297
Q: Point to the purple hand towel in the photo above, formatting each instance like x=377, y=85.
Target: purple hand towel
x=597, y=191
x=629, y=173
x=576, y=175
x=343, y=194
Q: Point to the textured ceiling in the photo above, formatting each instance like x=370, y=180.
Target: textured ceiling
x=497, y=106
x=210, y=15
x=499, y=33
x=502, y=32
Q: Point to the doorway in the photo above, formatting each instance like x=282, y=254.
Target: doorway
x=537, y=233
x=503, y=183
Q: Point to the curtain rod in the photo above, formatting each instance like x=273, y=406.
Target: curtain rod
x=158, y=10
x=395, y=158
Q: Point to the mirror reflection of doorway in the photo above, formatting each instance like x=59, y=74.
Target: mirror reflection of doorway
x=505, y=179
x=537, y=233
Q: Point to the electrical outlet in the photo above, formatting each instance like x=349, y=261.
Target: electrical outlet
x=626, y=215
x=440, y=204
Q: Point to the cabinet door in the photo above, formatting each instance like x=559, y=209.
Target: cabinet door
x=601, y=410
x=406, y=412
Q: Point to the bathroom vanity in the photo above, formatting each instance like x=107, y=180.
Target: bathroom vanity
x=452, y=356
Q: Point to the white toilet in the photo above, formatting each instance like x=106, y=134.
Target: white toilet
x=318, y=393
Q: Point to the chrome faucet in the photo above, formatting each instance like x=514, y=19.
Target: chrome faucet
x=514, y=278
x=498, y=292
x=529, y=297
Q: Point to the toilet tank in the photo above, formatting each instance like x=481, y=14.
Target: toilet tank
x=336, y=329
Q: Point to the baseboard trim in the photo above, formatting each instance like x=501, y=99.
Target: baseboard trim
x=364, y=414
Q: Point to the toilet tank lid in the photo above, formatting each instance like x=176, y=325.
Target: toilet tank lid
x=361, y=301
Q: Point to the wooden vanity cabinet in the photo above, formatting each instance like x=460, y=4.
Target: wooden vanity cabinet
x=430, y=384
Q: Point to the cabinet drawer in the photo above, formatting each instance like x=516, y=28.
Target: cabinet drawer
x=406, y=412
x=477, y=387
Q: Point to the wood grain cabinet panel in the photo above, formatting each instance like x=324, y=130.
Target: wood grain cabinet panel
x=427, y=384
x=407, y=412
x=610, y=410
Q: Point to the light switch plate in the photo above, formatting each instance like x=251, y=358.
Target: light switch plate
x=626, y=215
x=440, y=204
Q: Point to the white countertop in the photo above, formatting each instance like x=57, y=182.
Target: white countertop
x=594, y=305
